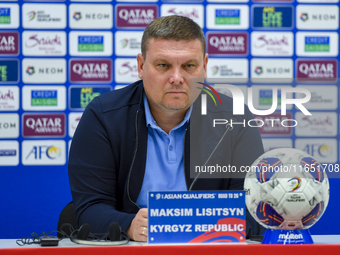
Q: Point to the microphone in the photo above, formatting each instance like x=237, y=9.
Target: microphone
x=229, y=127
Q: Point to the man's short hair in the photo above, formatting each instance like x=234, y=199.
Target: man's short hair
x=173, y=27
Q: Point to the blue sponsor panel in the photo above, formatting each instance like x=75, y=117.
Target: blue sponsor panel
x=196, y=217
x=9, y=71
x=81, y=96
x=272, y=17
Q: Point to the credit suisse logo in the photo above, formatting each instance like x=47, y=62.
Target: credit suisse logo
x=9, y=43
x=324, y=150
x=236, y=69
x=269, y=17
x=90, y=70
x=126, y=70
x=322, y=97
x=43, y=125
x=44, y=98
x=45, y=70
x=227, y=16
x=81, y=96
x=90, y=43
x=9, y=153
x=135, y=16
x=9, y=71
x=270, y=125
x=44, y=16
x=91, y=16
x=9, y=125
x=318, y=44
x=272, y=44
x=194, y=12
x=44, y=152
x=9, y=16
x=317, y=70
x=36, y=43
x=263, y=96
x=318, y=124
x=317, y=17
x=128, y=43
x=226, y=44
x=9, y=98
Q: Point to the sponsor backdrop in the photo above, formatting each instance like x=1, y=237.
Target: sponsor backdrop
x=56, y=56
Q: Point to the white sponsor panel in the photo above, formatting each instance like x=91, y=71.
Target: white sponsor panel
x=227, y=1
x=276, y=143
x=94, y=1
x=38, y=43
x=317, y=44
x=231, y=16
x=317, y=124
x=323, y=150
x=73, y=120
x=272, y=43
x=51, y=16
x=126, y=70
x=231, y=70
x=137, y=1
x=87, y=16
x=263, y=96
x=47, y=70
x=317, y=17
x=43, y=152
x=9, y=98
x=192, y=11
x=265, y=70
x=128, y=43
x=323, y=97
x=9, y=125
x=318, y=1
x=9, y=16
x=9, y=153
x=90, y=43
x=44, y=98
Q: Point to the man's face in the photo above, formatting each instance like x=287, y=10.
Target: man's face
x=166, y=72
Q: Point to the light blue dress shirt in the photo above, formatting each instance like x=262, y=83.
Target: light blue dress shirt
x=164, y=170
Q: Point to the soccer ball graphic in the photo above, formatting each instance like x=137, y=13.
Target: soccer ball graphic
x=287, y=189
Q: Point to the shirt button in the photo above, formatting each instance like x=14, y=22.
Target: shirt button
x=170, y=148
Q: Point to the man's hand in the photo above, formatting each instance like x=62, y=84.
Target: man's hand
x=138, y=229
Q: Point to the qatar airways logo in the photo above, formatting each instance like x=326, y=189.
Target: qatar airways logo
x=227, y=43
x=135, y=16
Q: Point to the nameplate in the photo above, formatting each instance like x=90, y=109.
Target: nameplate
x=196, y=217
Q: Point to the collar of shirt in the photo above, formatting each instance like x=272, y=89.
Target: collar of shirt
x=150, y=122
